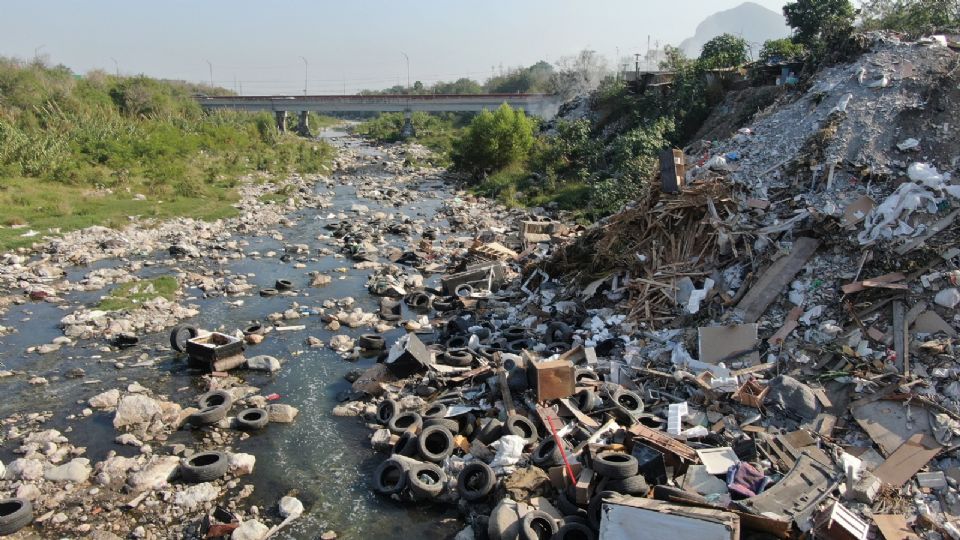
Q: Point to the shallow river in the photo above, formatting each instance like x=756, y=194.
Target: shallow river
x=325, y=460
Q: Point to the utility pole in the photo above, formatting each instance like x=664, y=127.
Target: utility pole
x=305, y=67
x=210, y=65
x=116, y=66
x=408, y=69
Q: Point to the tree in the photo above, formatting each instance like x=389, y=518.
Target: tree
x=914, y=17
x=816, y=22
x=459, y=86
x=724, y=51
x=781, y=50
x=494, y=141
x=418, y=87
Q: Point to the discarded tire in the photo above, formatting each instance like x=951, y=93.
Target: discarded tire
x=568, y=506
x=632, y=485
x=595, y=510
x=177, y=338
x=269, y=291
x=390, y=477
x=615, y=465
x=466, y=424
x=204, y=467
x=252, y=419
x=405, y=421
x=628, y=402
x=463, y=290
x=588, y=400
x=254, y=330
x=457, y=358
x=435, y=443
x=584, y=374
x=522, y=427
x=420, y=301
x=538, y=525
x=514, y=333
x=476, y=481
x=389, y=309
x=457, y=342
x=449, y=424
x=426, y=480
x=215, y=398
x=406, y=445
x=490, y=430
x=15, y=514
x=575, y=531
x=283, y=285
x=435, y=410
x=209, y=415
x=519, y=345
x=444, y=305
x=386, y=410
x=371, y=342
x=547, y=454
x=487, y=351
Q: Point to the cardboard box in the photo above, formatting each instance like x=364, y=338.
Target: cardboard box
x=552, y=380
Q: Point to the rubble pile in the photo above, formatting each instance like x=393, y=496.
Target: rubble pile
x=766, y=348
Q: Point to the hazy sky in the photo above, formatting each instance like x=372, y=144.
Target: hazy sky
x=354, y=44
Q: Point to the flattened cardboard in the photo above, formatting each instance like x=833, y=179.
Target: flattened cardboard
x=717, y=343
x=912, y=456
x=894, y=527
x=857, y=211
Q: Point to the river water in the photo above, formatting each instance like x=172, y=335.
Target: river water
x=326, y=461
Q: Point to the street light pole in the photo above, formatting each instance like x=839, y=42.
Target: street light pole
x=408, y=69
x=210, y=65
x=305, y=67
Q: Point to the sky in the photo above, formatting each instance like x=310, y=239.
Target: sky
x=271, y=47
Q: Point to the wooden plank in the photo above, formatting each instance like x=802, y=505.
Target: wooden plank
x=663, y=442
x=894, y=527
x=582, y=418
x=886, y=281
x=901, y=344
x=912, y=456
x=775, y=279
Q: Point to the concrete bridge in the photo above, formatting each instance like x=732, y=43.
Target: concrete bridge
x=543, y=105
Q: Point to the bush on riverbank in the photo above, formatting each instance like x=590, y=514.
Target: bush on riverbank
x=435, y=131
x=74, y=150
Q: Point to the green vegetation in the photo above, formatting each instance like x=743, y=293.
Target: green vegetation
x=132, y=295
x=784, y=50
x=820, y=25
x=912, y=17
x=74, y=151
x=435, y=131
x=494, y=141
x=724, y=51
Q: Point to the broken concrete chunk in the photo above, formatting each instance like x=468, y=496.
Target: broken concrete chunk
x=792, y=396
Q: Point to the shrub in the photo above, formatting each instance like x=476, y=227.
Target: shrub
x=781, y=50
x=494, y=141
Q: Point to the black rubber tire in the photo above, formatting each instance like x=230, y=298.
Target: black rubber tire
x=15, y=514
x=457, y=358
x=490, y=430
x=209, y=415
x=435, y=443
x=615, y=465
x=576, y=518
x=632, y=485
x=546, y=454
x=585, y=374
x=444, y=305
x=457, y=342
x=475, y=481
x=538, y=525
x=405, y=421
x=466, y=424
x=595, y=509
x=215, y=398
x=386, y=410
x=426, y=481
x=514, y=333
x=371, y=342
x=519, y=345
x=672, y=494
x=406, y=445
x=463, y=290
x=558, y=331
x=628, y=402
x=435, y=410
x=283, y=285
x=175, y=341
x=419, y=301
x=450, y=424
x=522, y=427
x=255, y=330
x=587, y=400
x=575, y=531
x=252, y=419
x=487, y=351
x=269, y=291
x=567, y=505
x=390, y=477
x=204, y=467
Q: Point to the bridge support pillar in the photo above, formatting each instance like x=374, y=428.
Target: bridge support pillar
x=281, y=121
x=303, y=124
x=407, y=131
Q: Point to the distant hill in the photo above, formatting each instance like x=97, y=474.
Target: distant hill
x=749, y=20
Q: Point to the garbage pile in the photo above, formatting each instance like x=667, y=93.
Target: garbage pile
x=764, y=349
